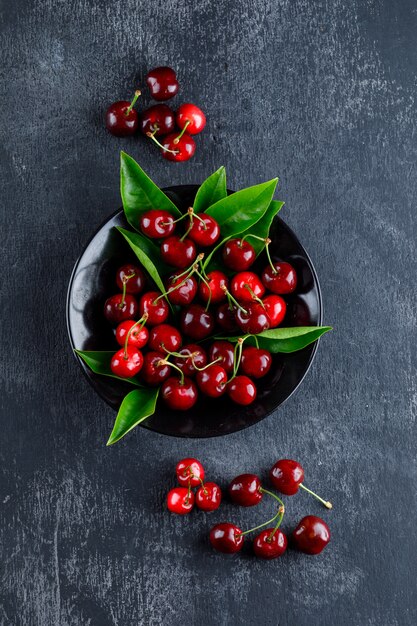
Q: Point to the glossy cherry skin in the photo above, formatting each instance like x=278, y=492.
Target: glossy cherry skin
x=225, y=317
x=157, y=224
x=165, y=338
x=253, y=319
x=245, y=490
x=286, y=476
x=180, y=501
x=276, y=308
x=197, y=358
x=283, y=280
x=127, y=365
x=245, y=286
x=212, y=291
x=192, y=116
x=181, y=290
x=157, y=311
x=120, y=124
x=137, y=338
x=226, y=538
x=117, y=309
x=189, y=471
x=212, y=381
x=204, y=233
x=157, y=120
x=270, y=546
x=311, y=535
x=209, y=497
x=196, y=322
x=134, y=284
x=178, y=253
x=255, y=362
x=153, y=372
x=238, y=255
x=223, y=350
x=177, y=395
x=241, y=390
x=162, y=83
x=179, y=149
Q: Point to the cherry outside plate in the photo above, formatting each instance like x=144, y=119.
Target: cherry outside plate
x=93, y=281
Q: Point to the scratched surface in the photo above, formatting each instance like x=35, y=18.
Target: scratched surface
x=321, y=93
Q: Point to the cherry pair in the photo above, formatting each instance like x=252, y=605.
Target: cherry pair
x=190, y=473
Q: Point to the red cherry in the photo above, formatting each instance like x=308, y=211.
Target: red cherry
x=181, y=290
x=223, y=350
x=241, y=390
x=190, y=472
x=117, y=308
x=225, y=317
x=311, y=535
x=270, y=544
x=245, y=490
x=121, y=118
x=126, y=364
x=155, y=370
x=286, y=476
x=178, y=253
x=281, y=280
x=212, y=289
x=180, y=500
x=197, y=357
x=276, y=308
x=162, y=83
x=179, y=395
x=238, y=255
x=208, y=497
x=226, y=538
x=246, y=287
x=157, y=224
x=165, y=338
x=255, y=362
x=178, y=149
x=196, y=322
x=192, y=118
x=204, y=231
x=158, y=120
x=157, y=310
x=133, y=277
x=137, y=338
x=253, y=319
x=212, y=381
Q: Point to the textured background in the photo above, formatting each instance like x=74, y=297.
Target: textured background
x=321, y=93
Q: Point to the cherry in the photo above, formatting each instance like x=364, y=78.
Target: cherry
x=253, y=319
x=155, y=306
x=208, y=497
x=203, y=230
x=255, y=362
x=212, y=381
x=138, y=337
x=132, y=276
x=226, y=538
x=126, y=362
x=276, y=308
x=157, y=224
x=178, y=252
x=241, y=390
x=162, y=83
x=155, y=369
x=120, y=307
x=246, y=287
x=179, y=395
x=270, y=543
x=175, y=149
x=196, y=358
x=165, y=338
x=158, y=120
x=287, y=477
x=280, y=278
x=181, y=290
x=225, y=317
x=224, y=351
x=191, y=118
x=238, y=255
x=246, y=490
x=212, y=290
x=311, y=535
x=196, y=322
x=180, y=500
x=190, y=472
x=121, y=118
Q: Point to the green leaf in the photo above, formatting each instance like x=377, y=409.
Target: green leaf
x=99, y=362
x=286, y=339
x=135, y=408
x=148, y=255
x=211, y=190
x=139, y=193
x=239, y=211
x=262, y=226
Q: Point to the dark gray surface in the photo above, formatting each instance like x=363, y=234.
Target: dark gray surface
x=321, y=94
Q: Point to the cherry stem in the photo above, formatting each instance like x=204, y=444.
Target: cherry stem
x=208, y=287
x=232, y=299
x=166, y=362
x=154, y=139
x=125, y=279
x=132, y=104
x=187, y=273
x=187, y=499
x=254, y=237
x=267, y=242
x=237, y=356
x=252, y=293
x=193, y=215
x=177, y=139
x=327, y=504
x=279, y=514
x=201, y=369
x=202, y=484
x=142, y=322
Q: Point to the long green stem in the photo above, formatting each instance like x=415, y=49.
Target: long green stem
x=274, y=271
x=230, y=298
x=327, y=504
x=132, y=104
x=154, y=139
x=278, y=514
x=166, y=362
x=177, y=139
x=142, y=322
x=125, y=280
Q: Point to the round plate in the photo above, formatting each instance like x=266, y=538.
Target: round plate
x=93, y=281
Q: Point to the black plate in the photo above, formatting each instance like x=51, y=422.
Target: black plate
x=92, y=281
